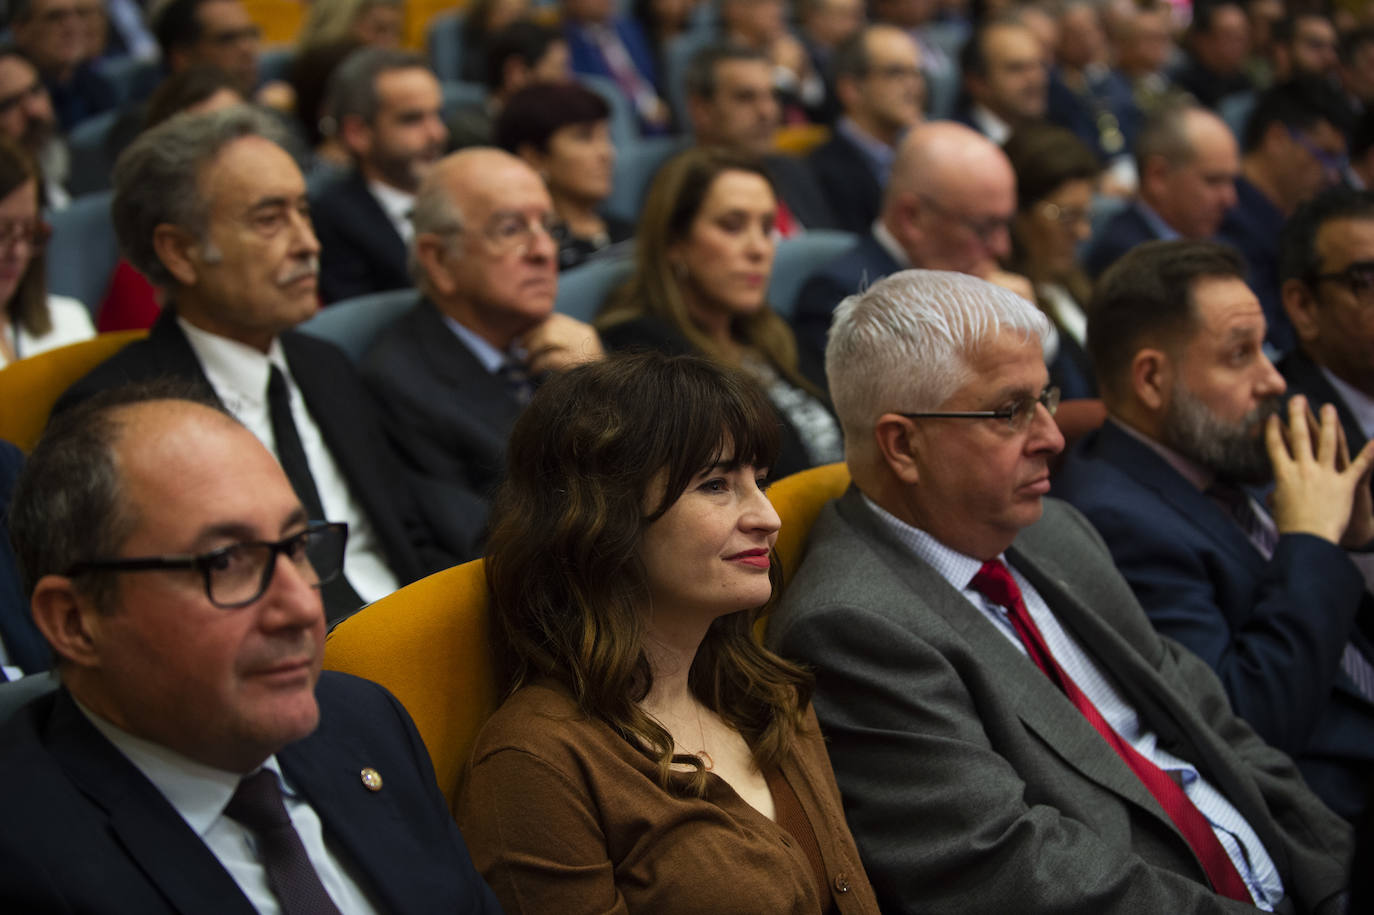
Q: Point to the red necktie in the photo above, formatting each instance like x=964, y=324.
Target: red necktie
x=994, y=582
x=783, y=221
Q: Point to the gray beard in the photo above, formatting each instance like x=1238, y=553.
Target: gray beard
x=1233, y=451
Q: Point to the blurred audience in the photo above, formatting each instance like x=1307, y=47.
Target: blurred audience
x=603, y=43
x=762, y=26
x=375, y=23
x=35, y=321
x=386, y=105
x=662, y=21
x=822, y=26
x=677, y=767
x=23, y=650
x=1006, y=82
x=518, y=55
x=1357, y=68
x=561, y=130
x=1187, y=161
x=1217, y=47
x=454, y=373
x=27, y=120
x=731, y=104
x=1294, y=145
x=881, y=91
x=1055, y=177
x=482, y=20
x=50, y=33
x=703, y=259
x=1305, y=44
x=1143, y=47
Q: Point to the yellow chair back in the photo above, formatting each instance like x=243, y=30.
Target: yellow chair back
x=30, y=387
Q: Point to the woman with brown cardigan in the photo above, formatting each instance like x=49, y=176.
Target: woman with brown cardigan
x=650, y=755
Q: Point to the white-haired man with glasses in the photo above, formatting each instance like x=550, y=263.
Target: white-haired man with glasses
x=194, y=757
x=1007, y=730
x=453, y=373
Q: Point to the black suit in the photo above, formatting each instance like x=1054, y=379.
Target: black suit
x=796, y=188
x=360, y=249
x=340, y=406
x=1122, y=232
x=848, y=183
x=447, y=416
x=1305, y=377
x=26, y=648
x=847, y=274
x=87, y=832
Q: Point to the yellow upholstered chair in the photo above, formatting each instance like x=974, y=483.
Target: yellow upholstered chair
x=799, y=139
x=30, y=387
x=427, y=643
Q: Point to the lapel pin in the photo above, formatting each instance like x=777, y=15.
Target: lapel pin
x=372, y=779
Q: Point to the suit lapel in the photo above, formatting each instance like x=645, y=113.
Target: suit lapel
x=1304, y=377
x=485, y=396
x=172, y=856
x=378, y=229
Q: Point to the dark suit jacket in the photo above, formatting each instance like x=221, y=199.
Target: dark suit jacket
x=1252, y=226
x=87, y=832
x=847, y=274
x=360, y=250
x=796, y=186
x=1122, y=232
x=1273, y=631
x=652, y=333
x=25, y=645
x=847, y=181
x=1306, y=378
x=447, y=416
x=340, y=406
x=972, y=783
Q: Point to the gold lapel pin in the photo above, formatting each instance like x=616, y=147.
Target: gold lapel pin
x=372, y=779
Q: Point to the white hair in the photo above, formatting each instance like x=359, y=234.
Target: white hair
x=903, y=344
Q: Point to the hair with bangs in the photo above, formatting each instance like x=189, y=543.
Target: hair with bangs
x=903, y=344
x=569, y=593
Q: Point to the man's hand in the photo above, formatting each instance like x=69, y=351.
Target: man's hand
x=1317, y=486
x=560, y=343
x=1007, y=280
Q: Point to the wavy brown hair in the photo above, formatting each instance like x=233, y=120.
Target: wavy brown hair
x=569, y=593
x=674, y=200
x=28, y=307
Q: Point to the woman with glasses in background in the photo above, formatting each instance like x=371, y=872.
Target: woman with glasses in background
x=650, y=755
x=703, y=259
x=1055, y=177
x=34, y=320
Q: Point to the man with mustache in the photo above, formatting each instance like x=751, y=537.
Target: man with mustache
x=27, y=118
x=213, y=209
x=175, y=575
x=1265, y=593
x=386, y=108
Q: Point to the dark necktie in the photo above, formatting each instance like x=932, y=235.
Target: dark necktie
x=257, y=804
x=339, y=597
x=516, y=375
x=995, y=583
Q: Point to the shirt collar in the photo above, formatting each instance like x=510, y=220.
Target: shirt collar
x=888, y=242
x=953, y=566
x=491, y=358
x=1156, y=222
x=879, y=154
x=236, y=371
x=198, y=792
x=991, y=126
x=396, y=203
x=1189, y=469
x=1360, y=403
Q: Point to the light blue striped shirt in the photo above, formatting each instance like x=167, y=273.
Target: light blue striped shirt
x=1243, y=846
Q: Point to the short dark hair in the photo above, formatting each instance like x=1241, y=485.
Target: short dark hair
x=1205, y=12
x=1299, y=104
x=1286, y=29
x=178, y=25
x=533, y=115
x=67, y=506
x=1147, y=295
x=352, y=87
x=529, y=41
x=699, y=79
x=1298, y=241
x=850, y=58
x=182, y=90
x=1164, y=133
x=973, y=59
x=1353, y=40
x=1046, y=157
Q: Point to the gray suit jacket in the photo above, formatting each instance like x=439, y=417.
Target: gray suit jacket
x=972, y=784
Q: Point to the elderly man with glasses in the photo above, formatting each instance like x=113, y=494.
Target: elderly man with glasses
x=1261, y=588
x=454, y=372
x=195, y=758
x=1007, y=730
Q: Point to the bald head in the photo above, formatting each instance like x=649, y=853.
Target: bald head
x=1188, y=162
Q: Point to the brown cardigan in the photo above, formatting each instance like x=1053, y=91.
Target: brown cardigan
x=564, y=816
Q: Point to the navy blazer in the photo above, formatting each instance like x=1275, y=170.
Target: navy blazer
x=1274, y=630
x=585, y=57
x=1305, y=377
x=846, y=179
x=796, y=187
x=448, y=418
x=340, y=406
x=847, y=274
x=1252, y=226
x=360, y=250
x=87, y=832
x=1122, y=232
x=25, y=645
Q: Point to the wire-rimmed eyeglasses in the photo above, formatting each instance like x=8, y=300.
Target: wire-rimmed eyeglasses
x=1017, y=416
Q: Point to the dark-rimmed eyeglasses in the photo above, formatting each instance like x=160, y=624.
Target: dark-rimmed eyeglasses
x=1017, y=416
x=238, y=574
x=1357, y=277
x=985, y=230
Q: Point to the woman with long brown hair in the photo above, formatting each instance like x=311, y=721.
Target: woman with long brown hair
x=650, y=755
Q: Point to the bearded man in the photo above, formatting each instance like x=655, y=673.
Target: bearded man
x=1267, y=594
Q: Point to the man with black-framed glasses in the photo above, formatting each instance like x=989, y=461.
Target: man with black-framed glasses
x=194, y=757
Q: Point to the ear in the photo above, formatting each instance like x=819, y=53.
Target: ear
x=1275, y=137
x=515, y=75
x=355, y=135
x=65, y=617
x=892, y=434
x=433, y=253
x=1152, y=378
x=976, y=86
x=698, y=112
x=1156, y=168
x=847, y=91
x=1302, y=307
x=179, y=252
x=533, y=157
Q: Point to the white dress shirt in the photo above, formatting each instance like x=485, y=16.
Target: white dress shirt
x=239, y=375
x=200, y=793
x=397, y=205
x=1361, y=405
x=71, y=323
x=1242, y=845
